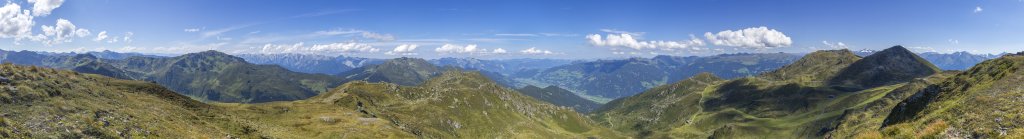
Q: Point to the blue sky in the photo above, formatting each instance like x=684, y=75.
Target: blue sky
x=520, y=29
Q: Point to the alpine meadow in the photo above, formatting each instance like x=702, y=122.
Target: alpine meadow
x=574, y=69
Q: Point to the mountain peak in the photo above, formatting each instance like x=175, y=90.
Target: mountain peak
x=402, y=71
x=893, y=65
x=212, y=55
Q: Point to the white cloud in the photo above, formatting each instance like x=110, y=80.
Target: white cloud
x=535, y=51
x=15, y=22
x=451, y=48
x=499, y=51
x=101, y=36
x=362, y=33
x=404, y=49
x=322, y=49
x=978, y=9
x=837, y=45
x=344, y=47
x=622, y=32
x=756, y=37
x=44, y=7
x=193, y=29
x=62, y=32
x=627, y=40
x=954, y=42
x=128, y=37
x=378, y=36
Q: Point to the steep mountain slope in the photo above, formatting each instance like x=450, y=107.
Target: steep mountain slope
x=462, y=105
x=47, y=103
x=216, y=76
x=814, y=68
x=892, y=65
x=311, y=63
x=982, y=102
x=412, y=71
x=208, y=75
x=610, y=79
x=948, y=61
x=660, y=108
x=791, y=102
x=560, y=97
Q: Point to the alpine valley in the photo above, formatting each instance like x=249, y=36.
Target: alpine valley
x=893, y=93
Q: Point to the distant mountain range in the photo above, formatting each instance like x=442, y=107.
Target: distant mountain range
x=505, y=67
x=790, y=102
x=206, y=75
x=947, y=61
x=892, y=93
x=311, y=63
x=610, y=79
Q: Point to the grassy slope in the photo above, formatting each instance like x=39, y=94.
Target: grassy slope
x=47, y=103
x=794, y=101
x=984, y=101
x=560, y=97
x=220, y=77
x=462, y=105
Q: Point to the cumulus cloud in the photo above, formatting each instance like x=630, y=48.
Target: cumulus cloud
x=128, y=37
x=323, y=49
x=978, y=9
x=344, y=47
x=101, y=36
x=627, y=40
x=15, y=22
x=404, y=49
x=451, y=48
x=756, y=37
x=378, y=36
x=44, y=7
x=62, y=32
x=837, y=45
x=535, y=51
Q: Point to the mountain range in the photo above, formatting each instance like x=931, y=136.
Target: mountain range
x=311, y=63
x=611, y=79
x=947, y=61
x=208, y=75
x=893, y=93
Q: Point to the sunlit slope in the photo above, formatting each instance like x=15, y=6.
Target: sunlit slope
x=47, y=103
x=462, y=105
x=797, y=100
x=982, y=102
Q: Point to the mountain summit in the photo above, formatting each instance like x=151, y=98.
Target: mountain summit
x=893, y=65
x=401, y=71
